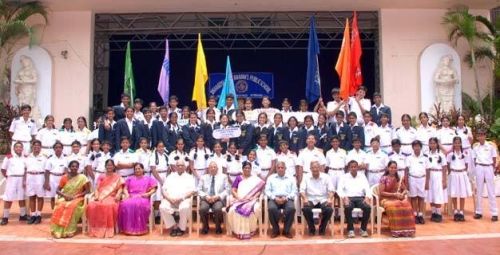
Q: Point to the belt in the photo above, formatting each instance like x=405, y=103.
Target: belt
x=16, y=175
x=265, y=169
x=385, y=146
x=97, y=171
x=66, y=144
x=57, y=174
x=47, y=147
x=406, y=144
x=484, y=164
x=376, y=171
x=201, y=169
x=458, y=170
x=435, y=170
x=20, y=141
x=36, y=173
x=162, y=171
x=335, y=169
x=401, y=169
x=231, y=174
x=446, y=144
x=414, y=176
x=126, y=175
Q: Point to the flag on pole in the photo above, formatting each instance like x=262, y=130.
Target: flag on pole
x=227, y=88
x=343, y=66
x=200, y=77
x=164, y=82
x=129, y=83
x=313, y=82
x=356, y=51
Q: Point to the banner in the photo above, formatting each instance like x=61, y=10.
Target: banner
x=248, y=84
x=225, y=133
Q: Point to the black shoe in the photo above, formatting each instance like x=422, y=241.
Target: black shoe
x=218, y=231
x=494, y=218
x=173, y=232
x=179, y=232
x=478, y=216
x=23, y=218
x=312, y=232
x=275, y=234
x=157, y=220
x=321, y=232
x=417, y=220
x=461, y=217
x=32, y=220
x=38, y=219
x=288, y=235
x=456, y=217
x=439, y=218
x=204, y=231
x=4, y=221
x=421, y=219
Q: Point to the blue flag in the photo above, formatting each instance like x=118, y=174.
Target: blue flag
x=227, y=88
x=313, y=83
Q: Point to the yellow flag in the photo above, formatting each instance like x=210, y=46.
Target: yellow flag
x=200, y=77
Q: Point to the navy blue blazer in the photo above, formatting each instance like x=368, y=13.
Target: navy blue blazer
x=119, y=112
x=344, y=134
x=158, y=133
x=244, y=142
x=276, y=134
x=121, y=129
x=358, y=132
x=107, y=135
x=293, y=139
x=376, y=117
x=189, y=134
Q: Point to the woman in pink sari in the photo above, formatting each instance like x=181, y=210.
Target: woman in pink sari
x=134, y=210
x=102, y=211
x=245, y=209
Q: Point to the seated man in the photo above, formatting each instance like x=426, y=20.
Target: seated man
x=281, y=190
x=355, y=192
x=177, y=190
x=212, y=190
x=316, y=191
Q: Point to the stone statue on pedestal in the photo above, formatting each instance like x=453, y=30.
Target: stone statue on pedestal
x=445, y=79
x=26, y=81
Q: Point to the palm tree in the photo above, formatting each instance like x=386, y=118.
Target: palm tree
x=14, y=27
x=463, y=25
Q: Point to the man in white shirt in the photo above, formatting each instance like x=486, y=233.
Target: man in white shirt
x=359, y=104
x=355, y=192
x=212, y=190
x=317, y=191
x=336, y=105
x=177, y=191
x=281, y=190
x=23, y=129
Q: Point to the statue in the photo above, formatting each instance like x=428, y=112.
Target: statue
x=445, y=79
x=26, y=81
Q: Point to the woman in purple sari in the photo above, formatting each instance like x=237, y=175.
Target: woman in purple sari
x=134, y=210
x=245, y=209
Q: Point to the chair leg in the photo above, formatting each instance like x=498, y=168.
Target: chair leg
x=342, y=222
x=379, y=222
x=372, y=218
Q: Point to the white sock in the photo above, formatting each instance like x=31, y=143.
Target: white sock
x=462, y=212
x=38, y=213
x=6, y=213
x=455, y=212
x=433, y=209
x=33, y=214
x=420, y=214
x=157, y=213
x=415, y=213
x=22, y=211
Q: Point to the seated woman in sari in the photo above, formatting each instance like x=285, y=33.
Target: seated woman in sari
x=244, y=210
x=102, y=211
x=69, y=205
x=393, y=198
x=134, y=210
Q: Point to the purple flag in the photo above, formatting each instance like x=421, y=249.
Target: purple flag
x=164, y=82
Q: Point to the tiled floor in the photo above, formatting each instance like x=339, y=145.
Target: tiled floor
x=448, y=237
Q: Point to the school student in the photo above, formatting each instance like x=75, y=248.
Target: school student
x=378, y=108
x=76, y=148
x=229, y=109
x=425, y=131
x=173, y=102
x=220, y=159
x=130, y=128
x=159, y=127
x=199, y=157
x=342, y=130
x=323, y=132
x=234, y=160
x=459, y=186
x=376, y=161
x=94, y=153
x=370, y=129
x=485, y=158
x=292, y=135
x=406, y=134
x=55, y=167
x=107, y=125
x=120, y=109
x=397, y=156
x=47, y=135
x=385, y=133
x=82, y=134
x=308, y=129
x=357, y=131
x=357, y=154
x=336, y=159
x=417, y=164
x=178, y=154
x=277, y=132
x=143, y=154
x=23, y=129
x=35, y=163
x=244, y=141
x=98, y=166
x=191, y=131
x=289, y=158
x=158, y=162
x=67, y=135
x=261, y=128
x=266, y=157
x=358, y=104
x=14, y=170
x=445, y=135
x=436, y=180
x=125, y=159
x=173, y=132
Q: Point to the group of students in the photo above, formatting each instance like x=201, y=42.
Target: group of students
x=433, y=163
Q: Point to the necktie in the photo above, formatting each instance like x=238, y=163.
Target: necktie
x=212, y=186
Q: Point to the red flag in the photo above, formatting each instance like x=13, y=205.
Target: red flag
x=343, y=66
x=356, y=51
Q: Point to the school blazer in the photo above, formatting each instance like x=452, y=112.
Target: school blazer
x=189, y=134
x=259, y=131
x=293, y=139
x=376, y=117
x=106, y=135
x=304, y=133
x=172, y=137
x=324, y=138
x=359, y=132
x=121, y=129
x=206, y=130
x=344, y=134
x=119, y=112
x=244, y=142
x=158, y=133
x=276, y=137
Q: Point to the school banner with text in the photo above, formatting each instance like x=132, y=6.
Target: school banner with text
x=247, y=84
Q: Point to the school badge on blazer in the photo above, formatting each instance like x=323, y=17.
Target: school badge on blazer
x=243, y=132
x=295, y=140
x=280, y=137
x=342, y=137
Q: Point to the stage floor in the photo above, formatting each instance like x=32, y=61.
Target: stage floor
x=472, y=236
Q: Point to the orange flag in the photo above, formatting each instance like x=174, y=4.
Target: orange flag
x=343, y=66
x=356, y=51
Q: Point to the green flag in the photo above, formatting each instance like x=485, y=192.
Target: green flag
x=129, y=83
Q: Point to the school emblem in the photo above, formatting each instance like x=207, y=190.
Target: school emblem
x=342, y=136
x=241, y=86
x=295, y=140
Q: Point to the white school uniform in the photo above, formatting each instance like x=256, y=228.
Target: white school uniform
x=445, y=137
x=377, y=163
x=200, y=158
x=265, y=158
x=35, y=175
x=144, y=158
x=458, y=181
x=385, y=133
x=370, y=130
x=160, y=162
x=66, y=137
x=290, y=160
x=23, y=131
x=483, y=159
x=358, y=156
x=78, y=157
x=255, y=168
x=406, y=136
x=47, y=137
x=400, y=159
x=465, y=133
x=335, y=165
x=417, y=166
x=354, y=107
x=82, y=135
x=98, y=165
x=436, y=193
x=57, y=166
x=15, y=167
x=234, y=167
x=306, y=156
x=125, y=157
x=424, y=134
x=220, y=160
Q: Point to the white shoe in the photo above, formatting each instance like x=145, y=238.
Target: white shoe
x=364, y=233
x=350, y=234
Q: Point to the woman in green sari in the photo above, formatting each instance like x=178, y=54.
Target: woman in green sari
x=69, y=206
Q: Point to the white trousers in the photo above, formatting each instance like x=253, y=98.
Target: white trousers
x=485, y=174
x=167, y=213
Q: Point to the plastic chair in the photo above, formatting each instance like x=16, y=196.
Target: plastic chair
x=379, y=210
x=357, y=211
x=317, y=211
x=267, y=224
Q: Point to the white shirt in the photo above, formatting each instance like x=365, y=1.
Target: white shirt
x=417, y=165
x=178, y=186
x=202, y=157
x=371, y=130
x=425, y=133
x=233, y=166
x=445, y=136
x=406, y=136
x=56, y=165
x=221, y=185
x=330, y=107
x=306, y=156
x=484, y=154
x=203, y=114
x=460, y=161
x=265, y=157
x=177, y=155
x=159, y=161
x=66, y=137
x=317, y=189
x=35, y=164
x=385, y=133
x=354, y=107
x=82, y=135
x=437, y=160
x=47, y=136
x=14, y=164
x=376, y=161
x=464, y=133
x=399, y=158
x=78, y=157
x=138, y=115
x=23, y=130
x=125, y=158
x=143, y=157
x=356, y=155
x=99, y=163
x=290, y=159
x=350, y=186
x=336, y=159
x=130, y=124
